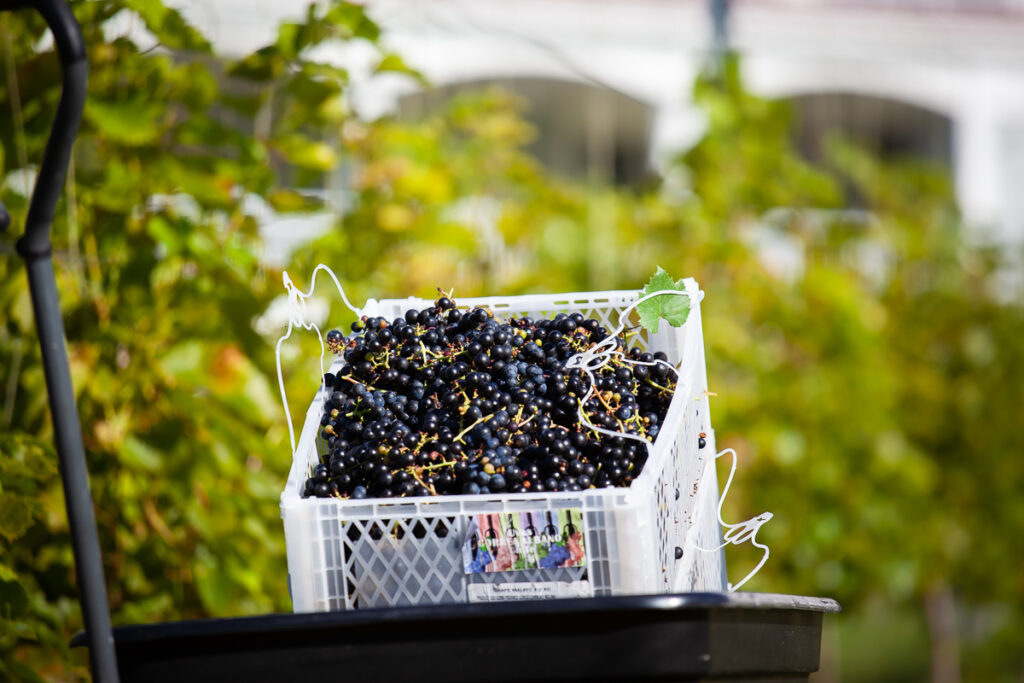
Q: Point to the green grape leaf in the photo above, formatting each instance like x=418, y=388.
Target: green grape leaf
x=674, y=309
x=130, y=122
x=140, y=454
x=395, y=64
x=17, y=515
x=7, y=575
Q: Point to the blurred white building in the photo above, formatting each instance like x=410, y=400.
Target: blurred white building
x=609, y=81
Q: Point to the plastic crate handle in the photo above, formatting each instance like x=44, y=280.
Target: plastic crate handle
x=601, y=353
x=740, y=532
x=297, y=318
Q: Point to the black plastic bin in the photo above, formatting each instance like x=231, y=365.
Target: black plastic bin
x=687, y=637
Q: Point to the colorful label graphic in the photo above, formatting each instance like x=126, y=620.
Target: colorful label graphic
x=516, y=541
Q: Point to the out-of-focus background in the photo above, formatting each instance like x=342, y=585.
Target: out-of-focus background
x=843, y=178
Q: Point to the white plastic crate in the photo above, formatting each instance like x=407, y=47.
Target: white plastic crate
x=347, y=554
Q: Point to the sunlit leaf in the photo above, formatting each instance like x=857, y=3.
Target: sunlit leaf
x=394, y=63
x=285, y=200
x=16, y=516
x=130, y=122
x=263, y=65
x=395, y=217
x=306, y=153
x=138, y=453
x=674, y=309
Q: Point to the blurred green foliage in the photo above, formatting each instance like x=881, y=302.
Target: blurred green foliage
x=157, y=255
x=866, y=362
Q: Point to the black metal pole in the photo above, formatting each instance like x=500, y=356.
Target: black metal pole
x=719, y=34
x=34, y=247
x=719, y=25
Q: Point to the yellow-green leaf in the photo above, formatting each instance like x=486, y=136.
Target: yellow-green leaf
x=140, y=454
x=301, y=151
x=131, y=122
x=16, y=516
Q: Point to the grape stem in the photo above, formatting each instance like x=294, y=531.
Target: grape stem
x=603, y=402
x=527, y=421
x=417, y=476
x=655, y=384
x=470, y=427
x=428, y=468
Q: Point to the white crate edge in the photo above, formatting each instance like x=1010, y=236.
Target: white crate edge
x=634, y=542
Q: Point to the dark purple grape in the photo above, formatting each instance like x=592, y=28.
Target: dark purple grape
x=439, y=401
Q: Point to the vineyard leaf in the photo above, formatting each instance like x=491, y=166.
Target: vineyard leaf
x=674, y=309
x=16, y=516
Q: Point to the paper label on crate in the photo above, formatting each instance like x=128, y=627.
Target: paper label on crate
x=528, y=590
x=517, y=541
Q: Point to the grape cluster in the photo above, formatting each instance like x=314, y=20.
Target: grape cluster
x=449, y=401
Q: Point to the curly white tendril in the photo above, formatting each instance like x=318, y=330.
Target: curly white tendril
x=601, y=353
x=297, y=318
x=738, y=533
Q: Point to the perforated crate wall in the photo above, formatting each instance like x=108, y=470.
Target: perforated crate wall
x=347, y=554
